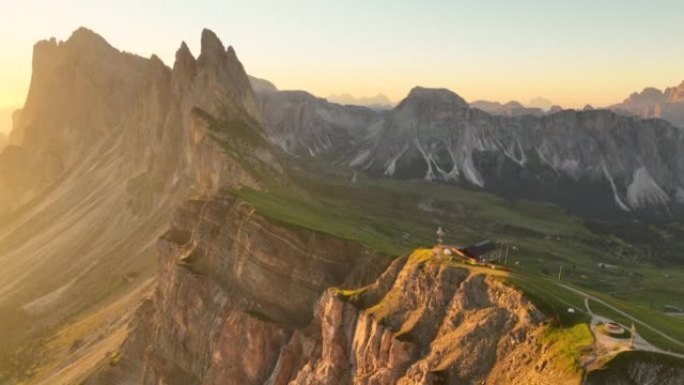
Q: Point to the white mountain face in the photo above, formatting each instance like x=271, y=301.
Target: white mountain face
x=590, y=160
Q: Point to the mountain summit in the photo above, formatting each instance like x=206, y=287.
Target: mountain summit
x=433, y=97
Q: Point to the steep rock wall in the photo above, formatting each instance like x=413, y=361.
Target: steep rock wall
x=235, y=299
x=232, y=289
x=106, y=146
x=423, y=322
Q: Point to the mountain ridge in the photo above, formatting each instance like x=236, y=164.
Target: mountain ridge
x=174, y=159
x=434, y=134
x=105, y=147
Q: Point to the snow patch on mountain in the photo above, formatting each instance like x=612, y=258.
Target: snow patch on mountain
x=429, y=175
x=616, y=196
x=515, y=153
x=565, y=164
x=360, y=158
x=392, y=163
x=644, y=190
x=470, y=172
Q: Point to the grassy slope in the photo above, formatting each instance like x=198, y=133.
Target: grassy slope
x=567, y=345
x=377, y=213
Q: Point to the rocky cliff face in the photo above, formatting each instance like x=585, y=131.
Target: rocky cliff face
x=424, y=322
x=235, y=300
x=595, y=162
x=233, y=288
x=654, y=103
x=84, y=93
x=631, y=163
x=105, y=147
x=302, y=124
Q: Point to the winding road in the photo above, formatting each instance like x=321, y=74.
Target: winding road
x=643, y=344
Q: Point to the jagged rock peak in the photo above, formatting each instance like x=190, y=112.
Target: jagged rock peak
x=185, y=62
x=232, y=60
x=436, y=95
x=86, y=37
x=212, y=47
x=677, y=94
x=183, y=53
x=230, y=51
x=83, y=42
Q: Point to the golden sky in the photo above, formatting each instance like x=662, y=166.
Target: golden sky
x=572, y=53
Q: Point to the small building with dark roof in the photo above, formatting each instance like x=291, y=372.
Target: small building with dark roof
x=479, y=249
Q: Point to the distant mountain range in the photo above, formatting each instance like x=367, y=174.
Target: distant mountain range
x=116, y=158
x=511, y=108
x=654, y=103
x=378, y=101
x=649, y=103
x=595, y=162
x=537, y=106
x=541, y=103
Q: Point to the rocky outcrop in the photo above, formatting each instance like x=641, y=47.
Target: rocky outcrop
x=654, y=103
x=233, y=287
x=639, y=368
x=425, y=322
x=235, y=299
